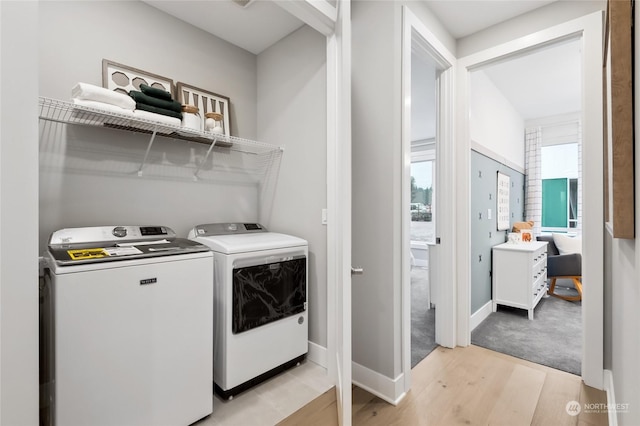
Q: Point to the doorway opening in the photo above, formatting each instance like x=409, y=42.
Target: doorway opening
x=424, y=73
x=526, y=120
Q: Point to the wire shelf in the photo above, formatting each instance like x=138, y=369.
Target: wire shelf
x=68, y=113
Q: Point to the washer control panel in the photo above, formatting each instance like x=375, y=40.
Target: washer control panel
x=109, y=233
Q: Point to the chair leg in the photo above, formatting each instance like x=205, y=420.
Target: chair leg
x=576, y=283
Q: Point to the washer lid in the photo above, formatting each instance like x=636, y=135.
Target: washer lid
x=244, y=243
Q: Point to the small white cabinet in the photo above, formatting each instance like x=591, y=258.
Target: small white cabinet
x=519, y=275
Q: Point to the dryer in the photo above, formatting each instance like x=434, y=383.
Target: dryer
x=260, y=294
x=126, y=327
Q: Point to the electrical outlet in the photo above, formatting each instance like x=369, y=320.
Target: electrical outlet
x=489, y=214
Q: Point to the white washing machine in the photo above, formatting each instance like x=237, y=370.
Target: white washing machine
x=260, y=293
x=126, y=327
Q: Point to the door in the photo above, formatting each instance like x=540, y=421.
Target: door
x=339, y=59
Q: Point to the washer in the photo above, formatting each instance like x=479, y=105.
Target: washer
x=127, y=329
x=260, y=293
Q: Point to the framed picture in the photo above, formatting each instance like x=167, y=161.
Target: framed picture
x=206, y=102
x=123, y=78
x=618, y=120
x=502, y=201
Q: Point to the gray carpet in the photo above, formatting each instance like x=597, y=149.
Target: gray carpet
x=423, y=320
x=553, y=338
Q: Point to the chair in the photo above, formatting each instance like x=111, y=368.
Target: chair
x=567, y=266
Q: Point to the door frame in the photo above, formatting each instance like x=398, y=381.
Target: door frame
x=445, y=175
x=589, y=29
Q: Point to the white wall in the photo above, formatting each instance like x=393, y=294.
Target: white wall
x=88, y=175
x=18, y=214
x=292, y=107
x=544, y=17
x=622, y=316
x=494, y=122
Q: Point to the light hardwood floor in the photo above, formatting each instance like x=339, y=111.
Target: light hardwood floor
x=470, y=385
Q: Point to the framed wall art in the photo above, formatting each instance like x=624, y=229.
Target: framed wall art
x=618, y=120
x=502, y=201
x=123, y=78
x=206, y=102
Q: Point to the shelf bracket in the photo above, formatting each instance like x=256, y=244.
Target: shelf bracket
x=146, y=154
x=195, y=174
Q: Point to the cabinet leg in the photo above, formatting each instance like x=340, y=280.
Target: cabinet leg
x=530, y=314
x=494, y=306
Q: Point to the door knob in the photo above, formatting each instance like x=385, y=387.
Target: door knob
x=357, y=271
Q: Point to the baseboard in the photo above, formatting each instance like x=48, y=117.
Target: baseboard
x=611, y=398
x=480, y=315
x=390, y=390
x=317, y=354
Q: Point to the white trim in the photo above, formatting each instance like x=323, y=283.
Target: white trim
x=480, y=315
x=480, y=149
x=390, y=390
x=444, y=184
x=611, y=398
x=317, y=354
x=589, y=28
x=319, y=15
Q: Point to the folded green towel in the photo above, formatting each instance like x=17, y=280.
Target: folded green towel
x=157, y=110
x=155, y=92
x=140, y=97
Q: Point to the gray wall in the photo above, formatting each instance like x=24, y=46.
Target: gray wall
x=18, y=213
x=87, y=175
x=292, y=109
x=484, y=233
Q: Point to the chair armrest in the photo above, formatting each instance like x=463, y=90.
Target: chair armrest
x=564, y=265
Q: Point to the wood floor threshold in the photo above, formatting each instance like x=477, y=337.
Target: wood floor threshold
x=471, y=386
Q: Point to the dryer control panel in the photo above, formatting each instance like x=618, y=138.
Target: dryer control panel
x=225, y=229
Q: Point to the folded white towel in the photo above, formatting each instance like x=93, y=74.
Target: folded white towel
x=89, y=92
x=103, y=107
x=162, y=119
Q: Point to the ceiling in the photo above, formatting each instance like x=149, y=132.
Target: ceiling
x=253, y=28
x=465, y=17
x=530, y=86
x=262, y=23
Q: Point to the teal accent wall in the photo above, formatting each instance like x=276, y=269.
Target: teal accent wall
x=484, y=233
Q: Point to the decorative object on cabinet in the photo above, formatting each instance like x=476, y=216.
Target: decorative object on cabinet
x=207, y=102
x=123, y=78
x=618, y=120
x=519, y=275
x=502, y=201
x=526, y=235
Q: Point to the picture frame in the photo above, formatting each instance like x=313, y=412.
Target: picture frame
x=619, y=193
x=502, y=201
x=123, y=78
x=206, y=101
